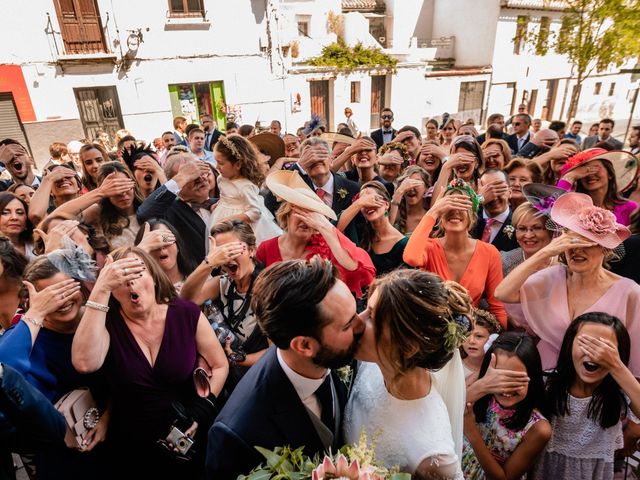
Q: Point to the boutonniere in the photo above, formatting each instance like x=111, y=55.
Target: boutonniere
x=508, y=231
x=342, y=193
x=344, y=374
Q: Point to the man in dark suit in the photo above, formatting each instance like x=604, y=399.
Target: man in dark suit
x=521, y=134
x=387, y=132
x=183, y=201
x=496, y=119
x=605, y=128
x=314, y=167
x=290, y=397
x=494, y=218
x=211, y=132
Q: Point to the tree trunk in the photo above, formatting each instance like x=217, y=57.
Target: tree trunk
x=573, y=105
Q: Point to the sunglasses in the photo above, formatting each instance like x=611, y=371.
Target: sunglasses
x=386, y=117
x=516, y=124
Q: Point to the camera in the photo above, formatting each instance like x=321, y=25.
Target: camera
x=177, y=444
x=179, y=440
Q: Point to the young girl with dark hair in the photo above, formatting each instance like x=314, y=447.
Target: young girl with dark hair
x=384, y=244
x=588, y=394
x=505, y=433
x=111, y=207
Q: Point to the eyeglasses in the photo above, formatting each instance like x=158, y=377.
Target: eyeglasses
x=516, y=124
x=535, y=229
x=386, y=117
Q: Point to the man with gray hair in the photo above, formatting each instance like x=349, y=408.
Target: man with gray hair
x=314, y=167
x=183, y=201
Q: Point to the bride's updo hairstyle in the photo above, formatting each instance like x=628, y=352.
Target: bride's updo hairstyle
x=427, y=318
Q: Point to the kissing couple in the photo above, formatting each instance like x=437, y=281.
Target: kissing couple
x=412, y=327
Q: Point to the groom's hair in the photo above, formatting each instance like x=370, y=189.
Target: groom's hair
x=286, y=298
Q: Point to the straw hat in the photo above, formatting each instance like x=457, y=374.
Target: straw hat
x=289, y=186
x=337, y=137
x=269, y=144
x=576, y=212
x=625, y=164
x=541, y=196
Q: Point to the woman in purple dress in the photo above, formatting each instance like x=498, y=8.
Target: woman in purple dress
x=148, y=342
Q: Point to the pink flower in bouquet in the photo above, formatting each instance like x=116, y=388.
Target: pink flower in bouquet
x=342, y=470
x=597, y=220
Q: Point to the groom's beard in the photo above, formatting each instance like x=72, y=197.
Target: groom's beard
x=329, y=358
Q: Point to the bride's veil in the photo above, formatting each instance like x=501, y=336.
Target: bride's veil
x=449, y=382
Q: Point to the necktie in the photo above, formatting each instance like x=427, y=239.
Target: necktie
x=486, y=233
x=321, y=193
x=207, y=141
x=197, y=206
x=324, y=196
x=325, y=397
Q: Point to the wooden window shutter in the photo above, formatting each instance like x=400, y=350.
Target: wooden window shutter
x=80, y=26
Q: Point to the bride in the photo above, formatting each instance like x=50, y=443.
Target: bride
x=414, y=324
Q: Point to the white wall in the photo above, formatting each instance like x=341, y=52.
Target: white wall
x=473, y=24
x=199, y=52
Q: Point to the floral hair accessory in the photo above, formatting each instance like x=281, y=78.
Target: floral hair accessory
x=580, y=158
x=457, y=331
x=598, y=221
x=232, y=148
x=463, y=187
x=542, y=197
x=73, y=261
x=391, y=146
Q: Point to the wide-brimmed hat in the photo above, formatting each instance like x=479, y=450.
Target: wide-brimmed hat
x=577, y=212
x=269, y=144
x=625, y=164
x=541, y=196
x=332, y=137
x=289, y=186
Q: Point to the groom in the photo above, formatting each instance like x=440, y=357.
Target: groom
x=291, y=396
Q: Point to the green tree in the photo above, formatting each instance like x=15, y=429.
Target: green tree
x=594, y=35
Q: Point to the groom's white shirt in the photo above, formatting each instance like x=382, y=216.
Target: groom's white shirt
x=305, y=387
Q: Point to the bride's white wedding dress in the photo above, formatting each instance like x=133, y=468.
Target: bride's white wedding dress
x=406, y=432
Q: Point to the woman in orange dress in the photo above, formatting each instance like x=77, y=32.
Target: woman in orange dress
x=454, y=255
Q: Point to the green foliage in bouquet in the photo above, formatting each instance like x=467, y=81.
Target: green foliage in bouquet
x=353, y=462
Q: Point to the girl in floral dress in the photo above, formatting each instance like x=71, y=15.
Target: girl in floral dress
x=505, y=433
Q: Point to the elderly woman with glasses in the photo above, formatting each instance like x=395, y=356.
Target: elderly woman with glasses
x=551, y=297
x=531, y=233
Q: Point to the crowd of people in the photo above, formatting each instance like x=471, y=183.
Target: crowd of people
x=210, y=287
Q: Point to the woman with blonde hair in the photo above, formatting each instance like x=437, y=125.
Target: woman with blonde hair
x=497, y=154
x=448, y=132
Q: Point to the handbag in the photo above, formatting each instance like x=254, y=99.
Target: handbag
x=81, y=414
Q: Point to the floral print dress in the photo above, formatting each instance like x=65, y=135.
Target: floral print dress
x=500, y=440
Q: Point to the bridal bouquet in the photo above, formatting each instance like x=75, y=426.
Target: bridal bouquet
x=352, y=462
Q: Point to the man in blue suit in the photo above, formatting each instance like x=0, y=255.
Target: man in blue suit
x=291, y=396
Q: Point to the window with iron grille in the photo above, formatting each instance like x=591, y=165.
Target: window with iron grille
x=186, y=8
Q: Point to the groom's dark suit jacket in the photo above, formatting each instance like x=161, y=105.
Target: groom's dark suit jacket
x=264, y=410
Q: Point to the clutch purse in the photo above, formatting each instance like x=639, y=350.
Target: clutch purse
x=79, y=410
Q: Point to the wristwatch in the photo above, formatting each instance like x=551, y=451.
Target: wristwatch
x=481, y=199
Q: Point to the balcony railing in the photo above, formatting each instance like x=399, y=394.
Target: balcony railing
x=445, y=46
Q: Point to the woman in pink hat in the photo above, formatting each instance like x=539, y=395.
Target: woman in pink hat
x=602, y=175
x=551, y=297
